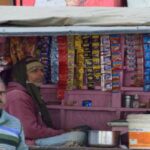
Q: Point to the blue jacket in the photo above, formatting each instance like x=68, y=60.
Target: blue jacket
x=11, y=133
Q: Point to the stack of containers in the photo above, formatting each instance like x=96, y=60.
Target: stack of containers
x=106, y=68
x=147, y=63
x=79, y=62
x=63, y=66
x=116, y=56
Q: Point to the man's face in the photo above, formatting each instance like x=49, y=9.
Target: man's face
x=36, y=76
x=2, y=95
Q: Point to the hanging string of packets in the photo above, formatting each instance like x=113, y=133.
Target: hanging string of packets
x=44, y=47
x=91, y=46
x=135, y=58
x=16, y=51
x=106, y=66
x=116, y=59
x=147, y=63
x=54, y=60
x=63, y=66
x=95, y=46
x=71, y=61
x=79, y=70
x=20, y=47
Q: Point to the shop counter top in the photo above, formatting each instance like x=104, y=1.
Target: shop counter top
x=71, y=148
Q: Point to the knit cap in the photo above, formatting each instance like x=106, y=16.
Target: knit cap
x=33, y=64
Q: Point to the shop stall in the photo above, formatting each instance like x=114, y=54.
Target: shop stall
x=96, y=61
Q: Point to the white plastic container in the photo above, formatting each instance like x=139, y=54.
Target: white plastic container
x=138, y=3
x=139, y=131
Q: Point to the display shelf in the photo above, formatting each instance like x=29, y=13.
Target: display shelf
x=137, y=89
x=142, y=93
x=78, y=108
x=94, y=92
x=54, y=106
x=134, y=109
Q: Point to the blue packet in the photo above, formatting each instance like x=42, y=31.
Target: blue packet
x=147, y=64
x=146, y=73
x=147, y=88
x=146, y=39
x=147, y=48
x=147, y=56
x=147, y=79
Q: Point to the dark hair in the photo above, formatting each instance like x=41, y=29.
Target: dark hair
x=6, y=76
x=17, y=72
x=1, y=80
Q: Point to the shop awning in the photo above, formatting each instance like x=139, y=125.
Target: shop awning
x=77, y=16
x=35, y=20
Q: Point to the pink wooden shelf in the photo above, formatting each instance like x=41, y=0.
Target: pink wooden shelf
x=139, y=93
x=94, y=92
x=78, y=108
x=54, y=106
x=134, y=109
x=89, y=108
x=140, y=89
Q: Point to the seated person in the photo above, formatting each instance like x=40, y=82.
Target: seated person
x=24, y=101
x=11, y=131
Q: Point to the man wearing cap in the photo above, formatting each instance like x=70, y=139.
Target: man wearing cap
x=24, y=101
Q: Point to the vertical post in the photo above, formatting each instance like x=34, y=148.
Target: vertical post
x=123, y=62
x=116, y=100
x=21, y=3
x=116, y=103
x=14, y=2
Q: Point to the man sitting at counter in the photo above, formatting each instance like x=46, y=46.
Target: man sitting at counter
x=25, y=102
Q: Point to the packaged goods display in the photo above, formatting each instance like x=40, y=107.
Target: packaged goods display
x=94, y=62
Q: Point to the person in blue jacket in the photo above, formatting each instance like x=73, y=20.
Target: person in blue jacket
x=11, y=131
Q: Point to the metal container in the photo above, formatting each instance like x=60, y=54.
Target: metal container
x=128, y=101
x=103, y=138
